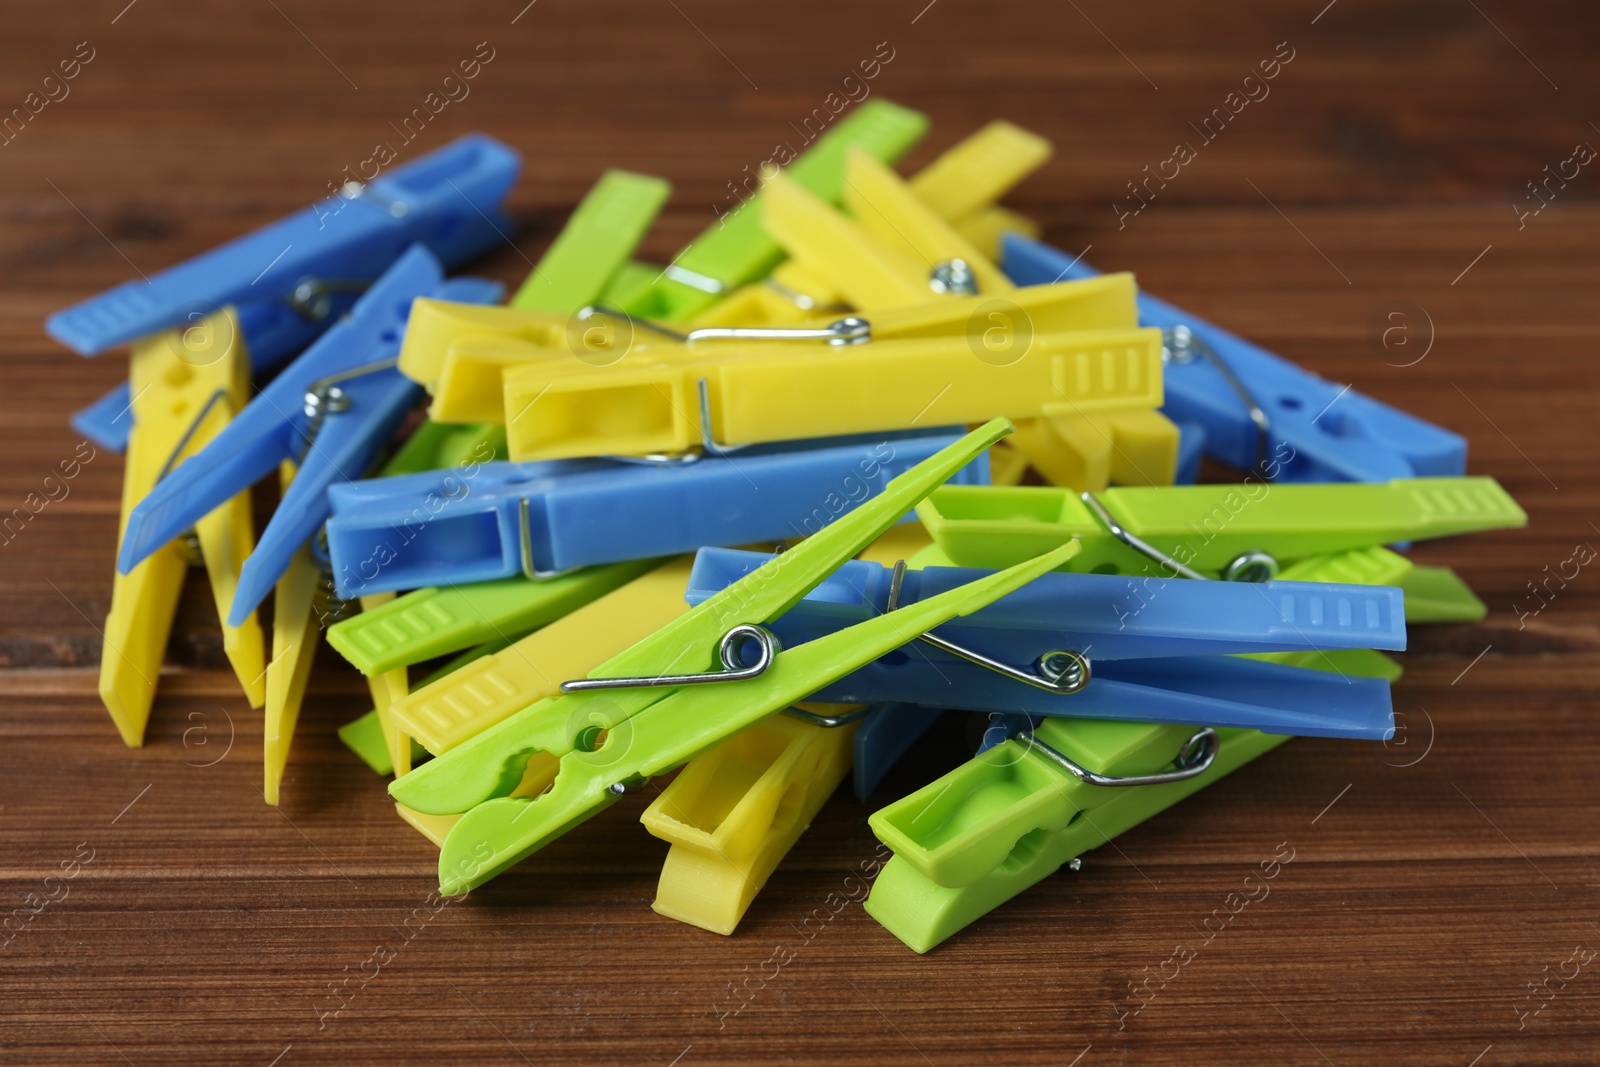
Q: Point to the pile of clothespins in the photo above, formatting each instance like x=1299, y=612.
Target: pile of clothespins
x=579, y=536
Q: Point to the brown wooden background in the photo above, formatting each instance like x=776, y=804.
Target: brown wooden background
x=1423, y=899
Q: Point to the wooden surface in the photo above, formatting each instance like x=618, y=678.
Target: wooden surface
x=1431, y=882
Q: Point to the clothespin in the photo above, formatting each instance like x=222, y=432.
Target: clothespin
x=1097, y=646
x=431, y=622
x=1013, y=815
x=291, y=280
x=1259, y=410
x=734, y=812
x=539, y=519
x=1245, y=532
x=461, y=705
x=805, y=385
x=448, y=200
x=647, y=718
x=460, y=353
x=332, y=410
x=737, y=250
x=187, y=385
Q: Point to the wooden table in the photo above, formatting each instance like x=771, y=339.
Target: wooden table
x=1432, y=883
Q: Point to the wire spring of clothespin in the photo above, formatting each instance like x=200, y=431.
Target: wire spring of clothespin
x=953, y=276
x=324, y=398
x=328, y=606
x=1181, y=345
x=189, y=542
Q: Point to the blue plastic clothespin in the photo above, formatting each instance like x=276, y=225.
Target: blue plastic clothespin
x=289, y=281
x=1099, y=646
x=330, y=410
x=1259, y=410
x=501, y=519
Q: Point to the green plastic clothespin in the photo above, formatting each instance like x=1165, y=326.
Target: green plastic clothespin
x=1209, y=530
x=435, y=622
x=605, y=742
x=595, y=244
x=1012, y=816
x=737, y=250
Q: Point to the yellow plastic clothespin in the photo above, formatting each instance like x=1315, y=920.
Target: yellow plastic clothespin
x=725, y=396
x=296, y=631
x=462, y=353
x=734, y=812
x=186, y=385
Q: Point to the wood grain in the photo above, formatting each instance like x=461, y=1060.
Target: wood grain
x=1422, y=899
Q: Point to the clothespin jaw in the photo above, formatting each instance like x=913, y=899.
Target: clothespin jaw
x=797, y=389
x=456, y=351
x=597, y=240
x=1138, y=446
x=734, y=812
x=1009, y=818
x=448, y=200
x=968, y=178
x=1261, y=411
x=547, y=518
x=296, y=631
x=1211, y=529
x=434, y=621
x=188, y=384
x=737, y=250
